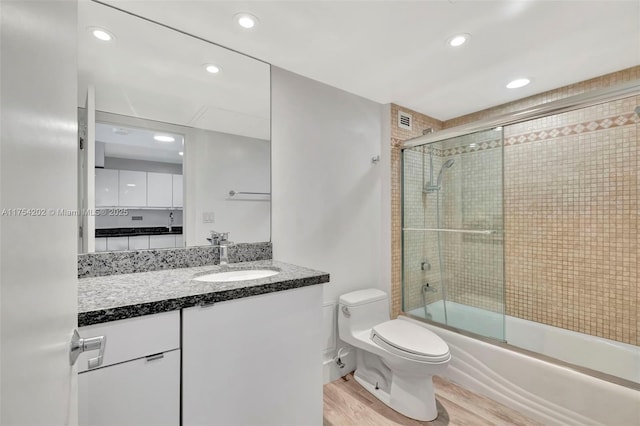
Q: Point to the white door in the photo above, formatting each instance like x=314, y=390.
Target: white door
x=38, y=248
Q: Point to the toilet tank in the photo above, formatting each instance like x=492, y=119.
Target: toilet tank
x=360, y=310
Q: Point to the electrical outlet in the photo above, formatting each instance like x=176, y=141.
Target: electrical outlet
x=208, y=217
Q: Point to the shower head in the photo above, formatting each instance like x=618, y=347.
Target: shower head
x=447, y=164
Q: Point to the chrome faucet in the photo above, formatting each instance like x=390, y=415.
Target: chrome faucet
x=221, y=240
x=170, y=221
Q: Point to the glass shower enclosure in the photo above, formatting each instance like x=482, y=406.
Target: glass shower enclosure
x=453, y=233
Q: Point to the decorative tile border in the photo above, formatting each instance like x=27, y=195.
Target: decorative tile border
x=546, y=134
x=574, y=129
x=128, y=262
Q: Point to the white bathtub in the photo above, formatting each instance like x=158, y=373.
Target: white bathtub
x=608, y=356
x=544, y=391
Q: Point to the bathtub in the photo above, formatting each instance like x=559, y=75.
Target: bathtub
x=545, y=391
x=608, y=356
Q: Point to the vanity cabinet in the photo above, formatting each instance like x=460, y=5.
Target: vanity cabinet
x=132, y=188
x=138, y=382
x=159, y=190
x=254, y=361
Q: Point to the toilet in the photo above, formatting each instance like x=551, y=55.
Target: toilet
x=395, y=359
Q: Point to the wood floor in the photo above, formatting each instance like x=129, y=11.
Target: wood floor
x=348, y=403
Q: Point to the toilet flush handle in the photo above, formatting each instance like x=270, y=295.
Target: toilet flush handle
x=345, y=311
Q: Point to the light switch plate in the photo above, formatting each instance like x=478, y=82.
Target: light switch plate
x=208, y=217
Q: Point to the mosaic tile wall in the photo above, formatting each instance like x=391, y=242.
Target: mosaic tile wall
x=571, y=221
x=571, y=198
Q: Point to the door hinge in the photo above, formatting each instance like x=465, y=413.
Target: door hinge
x=80, y=231
x=81, y=144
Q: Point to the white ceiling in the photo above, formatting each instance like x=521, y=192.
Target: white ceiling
x=139, y=144
x=395, y=51
x=156, y=73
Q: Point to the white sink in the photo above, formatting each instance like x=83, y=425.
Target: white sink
x=239, y=275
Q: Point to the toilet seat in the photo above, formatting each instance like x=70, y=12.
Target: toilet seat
x=410, y=341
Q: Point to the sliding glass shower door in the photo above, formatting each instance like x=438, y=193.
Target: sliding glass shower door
x=453, y=239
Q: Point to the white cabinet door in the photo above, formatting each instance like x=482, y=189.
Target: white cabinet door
x=139, y=242
x=141, y=392
x=162, y=241
x=159, y=189
x=254, y=361
x=177, y=191
x=101, y=244
x=106, y=187
x=117, y=243
x=179, y=241
x=132, y=189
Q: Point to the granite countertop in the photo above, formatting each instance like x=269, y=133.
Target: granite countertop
x=116, y=297
x=132, y=232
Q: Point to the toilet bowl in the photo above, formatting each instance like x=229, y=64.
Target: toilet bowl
x=395, y=359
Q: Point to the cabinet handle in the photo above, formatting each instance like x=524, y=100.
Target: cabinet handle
x=155, y=357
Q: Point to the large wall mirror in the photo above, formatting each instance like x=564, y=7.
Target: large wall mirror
x=175, y=137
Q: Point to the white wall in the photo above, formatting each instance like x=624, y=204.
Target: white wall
x=214, y=164
x=38, y=170
x=328, y=208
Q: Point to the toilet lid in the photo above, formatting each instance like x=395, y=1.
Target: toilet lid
x=410, y=341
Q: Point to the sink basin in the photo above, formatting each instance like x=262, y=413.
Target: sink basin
x=239, y=275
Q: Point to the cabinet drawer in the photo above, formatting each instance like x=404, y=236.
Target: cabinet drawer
x=162, y=241
x=133, y=338
x=142, y=392
x=117, y=243
x=139, y=242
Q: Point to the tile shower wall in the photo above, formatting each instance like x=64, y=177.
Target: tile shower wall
x=571, y=218
x=571, y=198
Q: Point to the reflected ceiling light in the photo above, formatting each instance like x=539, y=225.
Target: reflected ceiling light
x=213, y=69
x=101, y=34
x=458, y=40
x=246, y=20
x=497, y=129
x=181, y=153
x=518, y=82
x=131, y=184
x=473, y=145
x=164, y=138
x=120, y=131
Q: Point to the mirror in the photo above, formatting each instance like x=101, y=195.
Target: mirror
x=175, y=136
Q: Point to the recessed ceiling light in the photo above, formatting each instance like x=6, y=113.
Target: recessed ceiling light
x=101, y=34
x=497, y=129
x=213, y=69
x=246, y=20
x=458, y=40
x=164, y=138
x=131, y=184
x=518, y=82
x=181, y=153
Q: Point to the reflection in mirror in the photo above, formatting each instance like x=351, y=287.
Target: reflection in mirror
x=170, y=150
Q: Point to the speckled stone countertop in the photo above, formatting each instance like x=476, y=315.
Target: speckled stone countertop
x=116, y=297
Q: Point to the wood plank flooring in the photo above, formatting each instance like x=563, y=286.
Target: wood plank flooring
x=346, y=403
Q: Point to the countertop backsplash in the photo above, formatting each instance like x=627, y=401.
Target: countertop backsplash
x=127, y=262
